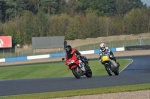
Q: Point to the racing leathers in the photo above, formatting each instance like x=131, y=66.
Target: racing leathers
x=111, y=55
x=74, y=51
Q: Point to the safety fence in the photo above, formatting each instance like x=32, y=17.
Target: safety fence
x=54, y=55
x=127, y=41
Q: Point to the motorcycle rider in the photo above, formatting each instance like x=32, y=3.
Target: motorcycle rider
x=73, y=51
x=104, y=49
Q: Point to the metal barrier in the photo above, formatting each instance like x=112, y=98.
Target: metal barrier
x=137, y=47
x=54, y=55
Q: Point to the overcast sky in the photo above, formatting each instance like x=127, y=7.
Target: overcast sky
x=146, y=2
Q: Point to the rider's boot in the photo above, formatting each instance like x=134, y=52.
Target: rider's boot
x=118, y=64
x=81, y=65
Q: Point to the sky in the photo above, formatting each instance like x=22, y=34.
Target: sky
x=147, y=2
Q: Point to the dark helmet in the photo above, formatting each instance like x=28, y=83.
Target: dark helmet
x=68, y=48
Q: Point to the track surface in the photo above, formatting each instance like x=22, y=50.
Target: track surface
x=137, y=72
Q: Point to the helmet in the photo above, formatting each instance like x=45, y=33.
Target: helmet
x=103, y=46
x=68, y=48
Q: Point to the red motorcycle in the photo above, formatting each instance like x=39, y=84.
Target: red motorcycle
x=73, y=64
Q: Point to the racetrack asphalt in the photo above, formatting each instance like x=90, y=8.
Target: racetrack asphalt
x=138, y=72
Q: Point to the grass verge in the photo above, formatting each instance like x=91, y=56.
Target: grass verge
x=50, y=70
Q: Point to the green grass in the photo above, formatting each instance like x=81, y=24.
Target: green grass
x=50, y=70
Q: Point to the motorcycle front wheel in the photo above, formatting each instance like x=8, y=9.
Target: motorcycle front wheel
x=76, y=73
x=109, y=71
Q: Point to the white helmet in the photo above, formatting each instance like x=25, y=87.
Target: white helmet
x=102, y=46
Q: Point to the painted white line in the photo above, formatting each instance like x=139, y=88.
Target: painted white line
x=127, y=65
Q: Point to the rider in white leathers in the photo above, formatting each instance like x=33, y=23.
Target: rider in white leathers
x=104, y=49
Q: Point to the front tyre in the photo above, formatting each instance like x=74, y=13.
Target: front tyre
x=109, y=71
x=76, y=73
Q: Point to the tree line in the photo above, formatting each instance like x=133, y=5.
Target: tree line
x=74, y=19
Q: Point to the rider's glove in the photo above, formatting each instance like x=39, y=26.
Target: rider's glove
x=80, y=61
x=110, y=56
x=78, y=56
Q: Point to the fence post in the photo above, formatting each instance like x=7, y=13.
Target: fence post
x=10, y=52
x=3, y=53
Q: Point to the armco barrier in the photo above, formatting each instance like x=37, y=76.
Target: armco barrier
x=38, y=56
x=54, y=55
x=57, y=55
x=15, y=59
x=120, y=49
x=112, y=49
x=2, y=60
x=137, y=47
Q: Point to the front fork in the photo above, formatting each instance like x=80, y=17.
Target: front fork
x=108, y=66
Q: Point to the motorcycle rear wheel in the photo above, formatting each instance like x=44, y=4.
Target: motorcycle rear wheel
x=88, y=73
x=116, y=72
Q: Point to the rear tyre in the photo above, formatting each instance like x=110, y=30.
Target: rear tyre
x=75, y=73
x=88, y=73
x=116, y=72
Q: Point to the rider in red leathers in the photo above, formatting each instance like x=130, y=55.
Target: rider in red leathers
x=73, y=51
